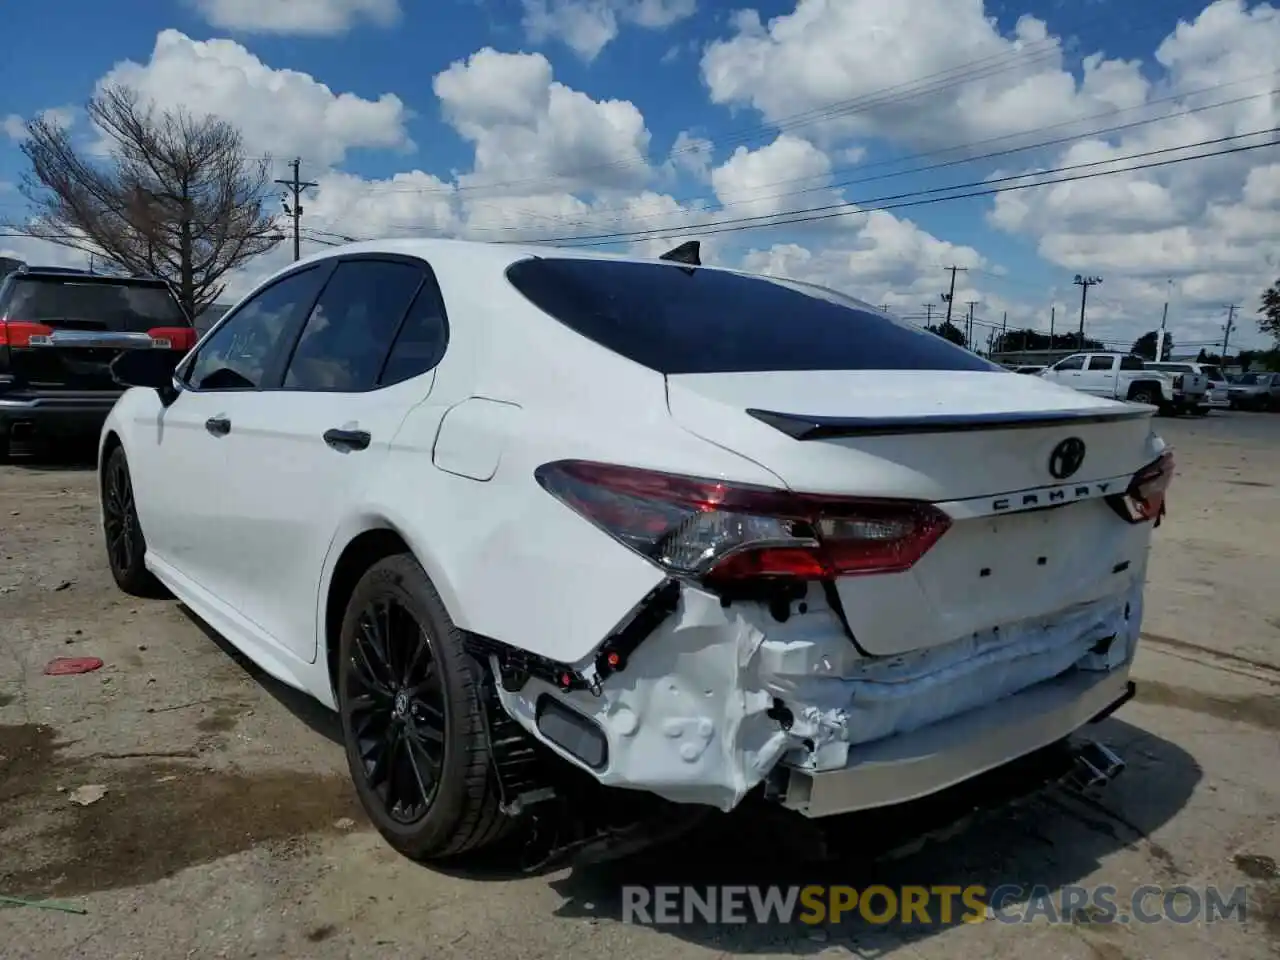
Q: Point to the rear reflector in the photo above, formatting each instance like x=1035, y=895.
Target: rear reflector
x=721, y=531
x=18, y=333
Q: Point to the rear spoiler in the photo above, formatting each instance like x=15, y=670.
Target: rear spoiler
x=812, y=427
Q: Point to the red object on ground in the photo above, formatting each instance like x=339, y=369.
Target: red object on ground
x=63, y=666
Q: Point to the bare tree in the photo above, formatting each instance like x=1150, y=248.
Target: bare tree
x=174, y=196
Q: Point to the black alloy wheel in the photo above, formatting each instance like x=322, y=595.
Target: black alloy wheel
x=412, y=704
x=395, y=705
x=126, y=546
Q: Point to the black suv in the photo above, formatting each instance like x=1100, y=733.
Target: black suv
x=59, y=332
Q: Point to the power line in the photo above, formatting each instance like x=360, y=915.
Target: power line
x=828, y=211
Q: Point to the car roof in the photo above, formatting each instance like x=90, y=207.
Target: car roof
x=470, y=255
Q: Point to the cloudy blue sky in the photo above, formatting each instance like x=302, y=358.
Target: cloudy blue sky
x=637, y=123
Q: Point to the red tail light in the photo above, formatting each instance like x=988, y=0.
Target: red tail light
x=1145, y=497
x=722, y=531
x=18, y=333
x=173, y=338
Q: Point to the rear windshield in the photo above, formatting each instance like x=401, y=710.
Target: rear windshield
x=677, y=320
x=93, y=305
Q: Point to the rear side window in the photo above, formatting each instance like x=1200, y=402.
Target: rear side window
x=676, y=320
x=1101, y=363
x=1132, y=363
x=421, y=341
x=351, y=328
x=115, y=306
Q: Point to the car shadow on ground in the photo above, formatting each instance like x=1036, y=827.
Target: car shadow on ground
x=1048, y=839
x=303, y=706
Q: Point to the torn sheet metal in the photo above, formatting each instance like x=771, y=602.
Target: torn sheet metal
x=717, y=696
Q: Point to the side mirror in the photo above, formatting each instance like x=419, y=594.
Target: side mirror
x=147, y=368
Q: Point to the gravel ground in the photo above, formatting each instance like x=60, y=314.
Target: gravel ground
x=228, y=827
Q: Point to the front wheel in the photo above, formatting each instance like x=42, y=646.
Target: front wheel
x=412, y=717
x=126, y=546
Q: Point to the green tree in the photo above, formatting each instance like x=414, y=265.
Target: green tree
x=1145, y=346
x=1269, y=322
x=949, y=331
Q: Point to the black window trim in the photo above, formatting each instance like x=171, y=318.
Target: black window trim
x=274, y=371
x=403, y=258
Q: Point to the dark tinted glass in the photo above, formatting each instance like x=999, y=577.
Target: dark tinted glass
x=685, y=320
x=1132, y=363
x=349, y=332
x=1101, y=363
x=120, y=307
x=1071, y=363
x=420, y=344
x=241, y=351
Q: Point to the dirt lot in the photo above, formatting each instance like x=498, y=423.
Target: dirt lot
x=228, y=828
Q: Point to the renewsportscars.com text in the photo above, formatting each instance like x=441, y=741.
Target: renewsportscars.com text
x=931, y=905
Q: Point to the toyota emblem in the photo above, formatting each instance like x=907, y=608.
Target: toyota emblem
x=1066, y=458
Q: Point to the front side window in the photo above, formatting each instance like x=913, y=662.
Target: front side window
x=1071, y=363
x=240, y=352
x=350, y=331
x=691, y=320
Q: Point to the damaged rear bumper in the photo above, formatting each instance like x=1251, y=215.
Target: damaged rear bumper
x=719, y=699
x=928, y=760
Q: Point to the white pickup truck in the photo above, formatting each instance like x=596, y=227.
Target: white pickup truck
x=1120, y=376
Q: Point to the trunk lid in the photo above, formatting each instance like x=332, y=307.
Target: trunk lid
x=982, y=445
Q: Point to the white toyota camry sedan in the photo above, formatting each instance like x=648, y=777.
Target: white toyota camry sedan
x=535, y=517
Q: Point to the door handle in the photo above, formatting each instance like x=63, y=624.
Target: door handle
x=218, y=426
x=347, y=439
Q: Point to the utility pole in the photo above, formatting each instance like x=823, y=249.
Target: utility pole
x=1053, y=315
x=1004, y=324
x=948, y=297
x=1164, y=319
x=1226, y=335
x=968, y=338
x=928, y=314
x=294, y=210
x=1084, y=283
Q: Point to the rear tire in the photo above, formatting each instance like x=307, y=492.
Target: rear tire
x=126, y=545
x=409, y=696
x=1143, y=394
x=4, y=448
